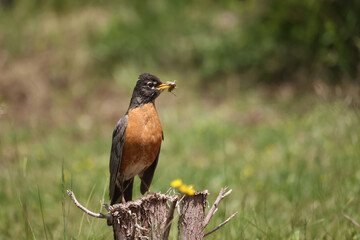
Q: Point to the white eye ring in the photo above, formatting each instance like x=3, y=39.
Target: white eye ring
x=151, y=84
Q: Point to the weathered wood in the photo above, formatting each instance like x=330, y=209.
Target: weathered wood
x=169, y=218
x=191, y=219
x=151, y=216
x=141, y=219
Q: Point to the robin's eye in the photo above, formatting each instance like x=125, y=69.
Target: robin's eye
x=150, y=84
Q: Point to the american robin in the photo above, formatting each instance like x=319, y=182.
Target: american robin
x=137, y=140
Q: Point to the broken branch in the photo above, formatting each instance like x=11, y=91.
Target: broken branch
x=220, y=225
x=84, y=209
x=169, y=218
x=213, y=209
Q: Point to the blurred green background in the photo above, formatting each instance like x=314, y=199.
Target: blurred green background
x=267, y=104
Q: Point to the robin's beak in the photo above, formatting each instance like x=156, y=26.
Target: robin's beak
x=163, y=86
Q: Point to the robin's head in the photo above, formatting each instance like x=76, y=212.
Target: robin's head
x=147, y=89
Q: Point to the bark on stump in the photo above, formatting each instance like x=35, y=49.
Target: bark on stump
x=142, y=218
x=192, y=214
x=151, y=216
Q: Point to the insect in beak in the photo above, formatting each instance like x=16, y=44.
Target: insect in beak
x=170, y=86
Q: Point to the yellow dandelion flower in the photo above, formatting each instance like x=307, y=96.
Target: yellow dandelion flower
x=183, y=188
x=190, y=190
x=187, y=189
x=176, y=183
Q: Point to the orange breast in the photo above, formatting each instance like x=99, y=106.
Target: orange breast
x=143, y=138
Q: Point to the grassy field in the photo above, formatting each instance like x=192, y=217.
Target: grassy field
x=293, y=165
x=290, y=153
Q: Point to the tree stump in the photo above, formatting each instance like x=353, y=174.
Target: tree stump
x=151, y=216
x=192, y=214
x=142, y=218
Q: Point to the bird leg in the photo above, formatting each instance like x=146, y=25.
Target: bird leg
x=122, y=198
x=123, y=189
x=119, y=183
x=147, y=187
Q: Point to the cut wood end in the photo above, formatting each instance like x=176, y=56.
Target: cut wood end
x=70, y=193
x=203, y=192
x=149, y=197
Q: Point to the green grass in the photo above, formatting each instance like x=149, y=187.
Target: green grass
x=292, y=160
x=293, y=168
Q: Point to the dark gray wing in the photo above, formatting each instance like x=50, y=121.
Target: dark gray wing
x=116, y=154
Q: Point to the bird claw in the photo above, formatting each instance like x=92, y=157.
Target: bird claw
x=106, y=206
